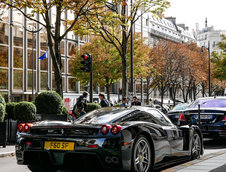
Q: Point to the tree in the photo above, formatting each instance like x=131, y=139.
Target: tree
x=114, y=14
x=54, y=32
x=106, y=63
x=219, y=67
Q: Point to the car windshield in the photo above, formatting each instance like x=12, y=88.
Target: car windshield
x=180, y=107
x=103, y=116
x=209, y=103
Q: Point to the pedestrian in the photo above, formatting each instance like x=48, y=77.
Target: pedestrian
x=80, y=107
x=124, y=102
x=135, y=102
x=103, y=101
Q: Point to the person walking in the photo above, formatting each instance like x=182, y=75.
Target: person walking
x=103, y=101
x=135, y=102
x=81, y=107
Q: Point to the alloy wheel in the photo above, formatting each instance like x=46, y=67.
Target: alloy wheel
x=142, y=155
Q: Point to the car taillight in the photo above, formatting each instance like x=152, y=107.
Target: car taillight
x=116, y=129
x=224, y=119
x=24, y=127
x=181, y=117
x=27, y=127
x=21, y=127
x=105, y=128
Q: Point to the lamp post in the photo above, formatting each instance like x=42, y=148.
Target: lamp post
x=33, y=32
x=131, y=51
x=209, y=72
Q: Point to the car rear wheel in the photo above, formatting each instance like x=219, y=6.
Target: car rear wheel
x=196, y=146
x=40, y=169
x=141, y=160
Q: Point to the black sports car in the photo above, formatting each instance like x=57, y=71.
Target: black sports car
x=135, y=139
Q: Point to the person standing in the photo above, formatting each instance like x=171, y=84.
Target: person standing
x=135, y=102
x=81, y=105
x=103, y=101
x=124, y=102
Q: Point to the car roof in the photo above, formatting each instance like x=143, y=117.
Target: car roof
x=217, y=97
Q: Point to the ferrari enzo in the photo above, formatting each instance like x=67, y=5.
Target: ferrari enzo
x=135, y=139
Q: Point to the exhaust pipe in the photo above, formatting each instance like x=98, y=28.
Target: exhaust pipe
x=108, y=159
x=115, y=160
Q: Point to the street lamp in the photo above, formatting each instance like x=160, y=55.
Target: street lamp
x=33, y=32
x=131, y=52
x=208, y=49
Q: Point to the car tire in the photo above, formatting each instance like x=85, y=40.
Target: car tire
x=141, y=155
x=40, y=169
x=196, y=147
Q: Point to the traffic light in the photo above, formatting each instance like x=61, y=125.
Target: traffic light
x=86, y=62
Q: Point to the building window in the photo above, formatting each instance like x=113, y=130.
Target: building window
x=44, y=80
x=147, y=22
x=18, y=79
x=72, y=85
x=3, y=79
x=29, y=82
x=3, y=56
x=18, y=57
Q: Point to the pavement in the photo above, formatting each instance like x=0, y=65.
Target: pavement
x=9, y=150
x=211, y=161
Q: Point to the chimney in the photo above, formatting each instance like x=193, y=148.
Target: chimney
x=197, y=26
x=206, y=23
x=172, y=19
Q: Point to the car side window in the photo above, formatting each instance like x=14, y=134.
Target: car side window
x=160, y=117
x=141, y=116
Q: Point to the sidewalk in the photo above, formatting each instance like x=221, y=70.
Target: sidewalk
x=213, y=162
x=9, y=150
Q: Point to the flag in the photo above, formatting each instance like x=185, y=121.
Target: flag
x=45, y=55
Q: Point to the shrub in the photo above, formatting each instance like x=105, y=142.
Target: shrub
x=64, y=111
x=49, y=103
x=10, y=109
x=92, y=106
x=117, y=105
x=2, y=112
x=24, y=111
x=2, y=100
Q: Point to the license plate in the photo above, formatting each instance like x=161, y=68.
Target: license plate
x=59, y=145
x=204, y=116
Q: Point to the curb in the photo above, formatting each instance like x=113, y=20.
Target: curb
x=190, y=163
x=12, y=153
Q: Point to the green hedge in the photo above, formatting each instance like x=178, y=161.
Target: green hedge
x=92, y=106
x=49, y=103
x=10, y=109
x=24, y=111
x=2, y=100
x=2, y=112
x=64, y=111
x=117, y=105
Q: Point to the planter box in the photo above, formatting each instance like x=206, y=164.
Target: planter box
x=3, y=134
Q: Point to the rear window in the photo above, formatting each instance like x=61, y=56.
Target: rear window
x=209, y=103
x=103, y=116
x=180, y=107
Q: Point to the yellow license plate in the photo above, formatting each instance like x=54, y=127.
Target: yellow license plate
x=59, y=145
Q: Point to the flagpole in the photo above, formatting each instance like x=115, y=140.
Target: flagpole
x=33, y=32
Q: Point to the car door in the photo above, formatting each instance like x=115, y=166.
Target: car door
x=174, y=135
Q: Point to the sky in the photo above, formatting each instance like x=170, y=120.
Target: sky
x=190, y=12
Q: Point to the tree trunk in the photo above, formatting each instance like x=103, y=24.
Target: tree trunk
x=147, y=90
x=107, y=85
x=124, y=51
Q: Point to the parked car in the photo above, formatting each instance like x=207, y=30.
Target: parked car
x=212, y=115
x=176, y=111
x=135, y=139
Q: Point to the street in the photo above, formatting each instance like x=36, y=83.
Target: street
x=8, y=164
